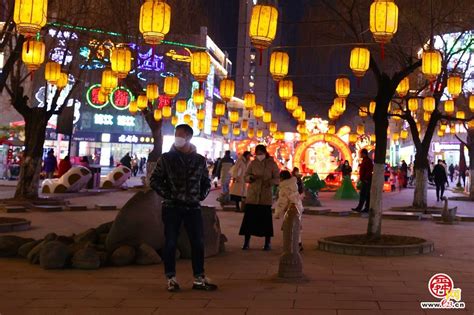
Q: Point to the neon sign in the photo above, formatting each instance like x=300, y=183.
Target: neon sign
x=120, y=98
x=108, y=120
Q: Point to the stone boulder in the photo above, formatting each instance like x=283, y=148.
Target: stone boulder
x=86, y=258
x=25, y=249
x=10, y=244
x=123, y=256
x=104, y=228
x=147, y=255
x=138, y=222
x=54, y=255
x=34, y=254
x=88, y=236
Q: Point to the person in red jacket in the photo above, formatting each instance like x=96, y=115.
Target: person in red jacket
x=366, y=168
x=64, y=166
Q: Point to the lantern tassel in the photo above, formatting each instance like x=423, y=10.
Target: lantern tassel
x=382, y=50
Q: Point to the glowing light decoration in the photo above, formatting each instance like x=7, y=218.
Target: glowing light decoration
x=155, y=18
x=166, y=111
x=174, y=120
x=273, y=127
x=340, y=104
x=259, y=133
x=200, y=124
x=404, y=134
x=52, y=72
x=471, y=103
x=431, y=64
x=460, y=115
x=109, y=80
x=171, y=86
x=343, y=87
x=426, y=116
x=244, y=125
x=455, y=85
x=33, y=54
x=200, y=65
x=220, y=109
x=302, y=117
x=279, y=64
x=30, y=16
x=142, y=102
x=249, y=101
x=363, y=111
x=236, y=131
x=372, y=106
x=152, y=91
x=198, y=97
x=233, y=116
x=449, y=106
x=225, y=130
x=181, y=106
x=258, y=111
x=331, y=129
x=121, y=61
x=187, y=119
x=292, y=103
x=403, y=87
x=201, y=115
x=429, y=104
x=359, y=61
x=285, y=89
x=360, y=129
x=63, y=81
x=413, y=104
x=383, y=20
x=157, y=115
x=251, y=133
x=215, y=122
x=133, y=108
x=227, y=89
x=297, y=112
x=267, y=117
x=263, y=25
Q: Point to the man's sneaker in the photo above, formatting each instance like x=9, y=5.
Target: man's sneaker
x=201, y=283
x=173, y=285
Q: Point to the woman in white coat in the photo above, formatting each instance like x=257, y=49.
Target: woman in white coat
x=238, y=190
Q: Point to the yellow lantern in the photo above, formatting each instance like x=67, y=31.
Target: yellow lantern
x=471, y=103
x=102, y=96
x=63, y=81
x=200, y=65
x=121, y=61
x=200, y=124
x=155, y=18
x=187, y=119
x=452, y=129
x=470, y=124
x=360, y=129
x=109, y=80
x=171, y=86
x=431, y=64
x=244, y=125
x=251, y=133
x=429, y=104
x=404, y=134
x=395, y=136
x=198, y=96
x=225, y=129
x=418, y=127
x=397, y=113
x=227, y=89
x=133, y=108
x=359, y=61
x=267, y=117
x=157, y=114
x=331, y=129
x=373, y=138
x=303, y=137
x=460, y=115
x=233, y=116
x=343, y=87
x=340, y=104
x=279, y=135
x=215, y=122
x=403, y=87
x=455, y=85
x=166, y=111
x=258, y=111
x=285, y=89
x=201, y=114
x=413, y=104
x=440, y=133
x=30, y=16
x=443, y=126
x=263, y=25
x=249, y=101
x=142, y=102
x=302, y=117
x=174, y=120
x=220, y=109
x=372, y=106
x=292, y=103
x=426, y=116
x=33, y=54
x=152, y=92
x=301, y=128
x=181, y=106
x=273, y=127
x=214, y=128
x=279, y=63
x=259, y=133
x=449, y=106
x=363, y=110
x=236, y=131
x=52, y=72
x=353, y=137
x=383, y=20
x=297, y=112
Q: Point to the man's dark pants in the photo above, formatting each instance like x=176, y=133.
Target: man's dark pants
x=364, y=196
x=173, y=217
x=439, y=189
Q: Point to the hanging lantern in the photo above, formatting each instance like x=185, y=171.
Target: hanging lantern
x=227, y=89
x=166, y=111
x=403, y=87
x=431, y=64
x=33, y=54
x=142, y=102
x=449, y=106
x=372, y=106
x=152, y=92
x=426, y=116
x=331, y=129
x=214, y=128
x=233, y=116
x=236, y=131
x=285, y=89
x=404, y=134
x=440, y=133
x=258, y=111
x=109, y=80
x=429, y=104
x=215, y=122
x=471, y=103
x=263, y=25
x=52, y=72
x=353, y=137
x=413, y=104
x=363, y=110
x=198, y=97
x=259, y=133
x=452, y=129
x=383, y=20
x=200, y=65
x=418, y=127
x=200, y=124
x=373, y=138
x=343, y=87
x=157, y=114
x=279, y=135
x=30, y=16
x=443, y=126
x=121, y=61
x=331, y=114
x=244, y=125
x=174, y=120
x=454, y=85
x=63, y=81
x=225, y=129
x=102, y=96
x=470, y=124
x=297, y=112
x=301, y=128
x=187, y=119
x=360, y=129
x=220, y=109
x=302, y=117
x=395, y=136
x=249, y=101
x=303, y=137
x=181, y=106
x=155, y=18
x=201, y=114
x=460, y=115
x=359, y=61
x=340, y=104
x=397, y=112
x=133, y=107
x=171, y=86
x=251, y=133
x=267, y=117
x=279, y=63
x=292, y=103
x=273, y=127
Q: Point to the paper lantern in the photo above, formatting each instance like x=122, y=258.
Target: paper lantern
x=373, y=138
x=174, y=120
x=470, y=124
x=443, y=126
x=121, y=61
x=233, y=116
x=273, y=127
x=267, y=117
x=359, y=61
x=455, y=85
x=426, y=116
x=187, y=119
x=460, y=115
x=395, y=136
x=340, y=104
x=181, y=106
x=225, y=129
x=109, y=80
x=251, y=133
x=200, y=124
x=301, y=128
x=201, y=114
x=171, y=86
x=155, y=18
x=152, y=92
x=249, y=101
x=236, y=131
x=52, y=72
x=33, y=54
x=397, y=112
x=372, y=106
x=429, y=104
x=200, y=65
x=440, y=133
x=198, y=97
x=363, y=111
x=220, y=109
x=279, y=135
x=471, y=103
x=244, y=125
x=285, y=89
x=331, y=129
x=431, y=64
x=142, y=102
x=258, y=112
x=403, y=87
x=157, y=115
x=166, y=111
x=304, y=137
x=259, y=133
x=343, y=87
x=452, y=129
x=102, y=96
x=413, y=104
x=30, y=16
x=297, y=112
x=404, y=134
x=449, y=106
x=292, y=103
x=360, y=129
x=383, y=20
x=63, y=81
x=263, y=25
x=279, y=63
x=133, y=107
x=302, y=117
x=215, y=122
x=227, y=89
x=353, y=137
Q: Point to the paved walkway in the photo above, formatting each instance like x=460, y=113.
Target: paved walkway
x=336, y=284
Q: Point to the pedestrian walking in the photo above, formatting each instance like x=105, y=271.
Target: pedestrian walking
x=224, y=169
x=50, y=164
x=440, y=179
x=366, y=168
x=127, y=161
x=238, y=190
x=451, y=172
x=299, y=180
x=64, y=166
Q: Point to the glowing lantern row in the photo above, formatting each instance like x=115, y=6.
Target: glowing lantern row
x=431, y=64
x=471, y=103
x=225, y=129
x=454, y=85
x=52, y=72
x=166, y=111
x=363, y=110
x=331, y=129
x=121, y=61
x=383, y=20
x=302, y=117
x=198, y=97
x=413, y=104
x=258, y=111
x=426, y=116
x=353, y=137
x=200, y=65
x=171, y=86
x=403, y=87
x=244, y=125
x=297, y=112
x=340, y=104
x=109, y=80
x=249, y=101
x=33, y=54
x=460, y=115
x=359, y=61
x=267, y=117
x=187, y=119
x=292, y=103
x=372, y=106
x=152, y=91
x=155, y=18
x=279, y=64
x=259, y=133
x=236, y=131
x=227, y=89
x=285, y=89
x=181, y=106
x=263, y=25
x=157, y=115
x=30, y=16
x=233, y=116
x=133, y=107
x=251, y=133
x=142, y=102
x=429, y=104
x=273, y=127
x=343, y=87
x=360, y=130
x=220, y=109
x=449, y=106
x=201, y=114
x=63, y=81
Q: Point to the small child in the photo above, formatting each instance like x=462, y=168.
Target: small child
x=288, y=194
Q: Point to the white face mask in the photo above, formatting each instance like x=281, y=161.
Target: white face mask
x=179, y=142
x=261, y=157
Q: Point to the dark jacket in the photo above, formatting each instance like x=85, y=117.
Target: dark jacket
x=50, y=164
x=181, y=179
x=366, y=169
x=126, y=161
x=439, y=174
x=346, y=170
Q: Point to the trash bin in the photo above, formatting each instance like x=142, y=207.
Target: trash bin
x=94, y=182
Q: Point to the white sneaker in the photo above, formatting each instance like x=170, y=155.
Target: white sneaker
x=173, y=284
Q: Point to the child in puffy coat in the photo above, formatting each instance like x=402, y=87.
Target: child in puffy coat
x=288, y=194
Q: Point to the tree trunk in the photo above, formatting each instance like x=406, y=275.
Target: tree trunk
x=420, y=198
x=470, y=147
x=155, y=154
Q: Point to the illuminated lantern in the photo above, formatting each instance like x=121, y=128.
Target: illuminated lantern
x=155, y=18
x=200, y=65
x=225, y=129
x=303, y=137
x=360, y=130
x=33, y=54
x=373, y=138
x=343, y=87
x=152, y=92
x=292, y=103
x=449, y=106
x=171, y=86
x=157, y=115
x=460, y=115
x=258, y=111
x=267, y=117
x=273, y=127
x=302, y=117
x=454, y=85
x=279, y=135
x=363, y=110
x=251, y=133
x=200, y=125
x=471, y=103
x=452, y=129
x=236, y=131
x=233, y=116
x=220, y=109
x=403, y=87
x=359, y=61
x=431, y=64
x=429, y=104
x=383, y=20
x=443, y=126
x=372, y=106
x=418, y=127
x=396, y=136
x=214, y=128
x=404, y=134
x=353, y=137
x=30, y=16
x=331, y=129
x=187, y=119
x=297, y=112
x=181, y=106
x=301, y=128
x=198, y=96
x=133, y=108
x=63, y=81
x=440, y=133
x=413, y=104
x=249, y=101
x=331, y=114
x=263, y=25
x=52, y=72
x=227, y=89
x=109, y=80
x=121, y=61
x=340, y=104
x=285, y=89
x=279, y=63
x=470, y=124
x=259, y=133
x=174, y=120
x=201, y=114
x=244, y=125
x=215, y=122
x=396, y=112
x=102, y=96
x=142, y=102
x=426, y=116
x=166, y=111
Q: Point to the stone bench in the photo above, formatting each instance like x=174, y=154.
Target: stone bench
x=104, y=207
x=15, y=209
x=393, y=215
x=343, y=213
x=316, y=211
x=77, y=208
x=47, y=208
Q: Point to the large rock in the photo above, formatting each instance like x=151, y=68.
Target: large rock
x=86, y=258
x=10, y=244
x=147, y=255
x=88, y=236
x=25, y=249
x=104, y=228
x=54, y=255
x=138, y=222
x=34, y=254
x=123, y=256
